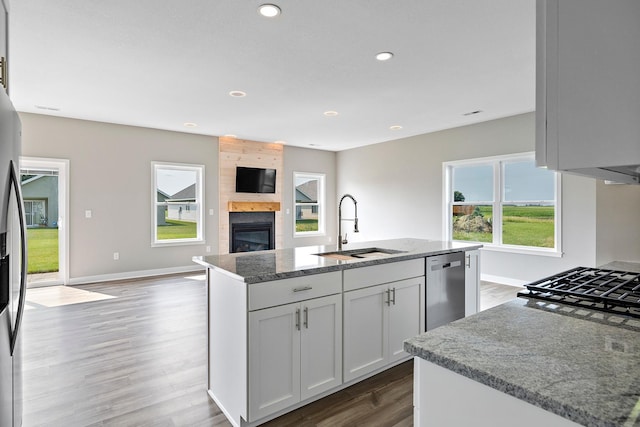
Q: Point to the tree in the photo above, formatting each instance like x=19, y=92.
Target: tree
x=458, y=196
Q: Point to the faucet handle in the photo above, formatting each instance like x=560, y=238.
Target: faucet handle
x=345, y=241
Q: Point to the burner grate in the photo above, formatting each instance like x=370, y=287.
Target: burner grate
x=601, y=289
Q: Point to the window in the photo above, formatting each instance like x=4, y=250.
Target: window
x=309, y=203
x=177, y=204
x=504, y=202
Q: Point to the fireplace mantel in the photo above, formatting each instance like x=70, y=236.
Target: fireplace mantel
x=254, y=206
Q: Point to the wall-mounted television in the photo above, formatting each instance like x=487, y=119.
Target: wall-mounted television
x=255, y=180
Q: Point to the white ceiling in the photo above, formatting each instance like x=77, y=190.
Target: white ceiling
x=161, y=63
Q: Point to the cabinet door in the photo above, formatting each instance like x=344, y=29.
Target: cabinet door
x=472, y=282
x=405, y=306
x=365, y=331
x=320, y=345
x=274, y=359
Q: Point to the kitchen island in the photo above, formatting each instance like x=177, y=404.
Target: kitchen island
x=290, y=326
x=529, y=363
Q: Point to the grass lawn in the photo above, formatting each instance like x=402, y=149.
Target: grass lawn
x=306, y=225
x=42, y=250
x=521, y=225
x=177, y=230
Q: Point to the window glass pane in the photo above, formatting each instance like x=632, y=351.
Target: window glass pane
x=178, y=209
x=472, y=183
x=524, y=182
x=474, y=223
x=308, y=194
x=528, y=225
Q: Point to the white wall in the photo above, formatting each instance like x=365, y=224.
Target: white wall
x=618, y=224
x=315, y=161
x=398, y=186
x=110, y=174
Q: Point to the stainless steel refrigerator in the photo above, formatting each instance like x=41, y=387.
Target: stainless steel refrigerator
x=13, y=266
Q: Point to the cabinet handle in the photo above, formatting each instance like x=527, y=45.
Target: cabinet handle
x=468, y=261
x=298, y=319
x=388, y=292
x=3, y=72
x=393, y=298
x=306, y=317
x=302, y=288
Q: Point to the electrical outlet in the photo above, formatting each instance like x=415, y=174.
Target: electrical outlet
x=211, y=212
x=208, y=249
x=116, y=256
x=88, y=213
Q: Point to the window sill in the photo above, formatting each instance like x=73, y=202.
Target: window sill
x=309, y=234
x=177, y=242
x=516, y=249
x=520, y=250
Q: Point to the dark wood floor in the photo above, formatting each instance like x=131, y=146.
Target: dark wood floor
x=133, y=353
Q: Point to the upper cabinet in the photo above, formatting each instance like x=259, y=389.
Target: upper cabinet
x=588, y=88
x=4, y=44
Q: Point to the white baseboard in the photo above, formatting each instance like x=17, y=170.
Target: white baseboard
x=134, y=274
x=503, y=280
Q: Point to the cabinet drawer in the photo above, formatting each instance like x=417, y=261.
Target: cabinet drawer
x=285, y=291
x=357, y=278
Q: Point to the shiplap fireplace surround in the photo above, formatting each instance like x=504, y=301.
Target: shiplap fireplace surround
x=237, y=152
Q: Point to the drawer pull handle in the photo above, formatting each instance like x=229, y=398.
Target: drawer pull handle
x=298, y=319
x=393, y=297
x=303, y=288
x=306, y=317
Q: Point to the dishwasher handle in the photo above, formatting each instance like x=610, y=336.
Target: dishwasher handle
x=446, y=265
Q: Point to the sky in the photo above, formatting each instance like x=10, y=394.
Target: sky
x=170, y=181
x=523, y=182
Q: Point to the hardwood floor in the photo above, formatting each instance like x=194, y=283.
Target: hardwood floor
x=133, y=353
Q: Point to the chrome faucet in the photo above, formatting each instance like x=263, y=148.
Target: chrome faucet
x=341, y=240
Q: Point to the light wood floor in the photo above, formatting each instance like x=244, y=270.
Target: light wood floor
x=133, y=353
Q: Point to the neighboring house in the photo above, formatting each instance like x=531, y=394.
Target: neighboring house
x=161, y=197
x=307, y=193
x=182, y=205
x=40, y=194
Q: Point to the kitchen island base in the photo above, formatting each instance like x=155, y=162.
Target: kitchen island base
x=442, y=398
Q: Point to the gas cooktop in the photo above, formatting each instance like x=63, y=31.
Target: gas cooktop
x=606, y=290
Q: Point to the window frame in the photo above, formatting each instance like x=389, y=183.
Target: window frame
x=498, y=163
x=321, y=203
x=199, y=170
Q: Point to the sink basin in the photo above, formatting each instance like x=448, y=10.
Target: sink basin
x=366, y=253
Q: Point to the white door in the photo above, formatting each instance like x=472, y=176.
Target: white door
x=404, y=315
x=320, y=345
x=274, y=359
x=365, y=331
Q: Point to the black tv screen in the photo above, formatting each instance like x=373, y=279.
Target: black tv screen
x=255, y=180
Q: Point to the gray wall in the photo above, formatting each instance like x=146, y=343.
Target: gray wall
x=400, y=193
x=110, y=174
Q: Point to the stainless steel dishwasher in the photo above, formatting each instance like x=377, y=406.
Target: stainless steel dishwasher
x=445, y=289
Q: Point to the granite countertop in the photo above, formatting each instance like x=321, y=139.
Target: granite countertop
x=255, y=267
x=579, y=364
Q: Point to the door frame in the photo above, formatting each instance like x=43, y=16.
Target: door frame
x=62, y=166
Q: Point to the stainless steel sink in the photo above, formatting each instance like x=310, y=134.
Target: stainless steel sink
x=360, y=253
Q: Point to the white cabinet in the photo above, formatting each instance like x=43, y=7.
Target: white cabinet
x=377, y=320
x=295, y=352
x=471, y=282
x=588, y=86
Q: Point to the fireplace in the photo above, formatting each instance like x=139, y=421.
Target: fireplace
x=251, y=231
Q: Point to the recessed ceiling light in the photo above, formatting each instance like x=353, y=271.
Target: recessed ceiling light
x=237, y=93
x=269, y=10
x=471, y=113
x=384, y=56
x=330, y=113
x=230, y=135
x=280, y=142
x=190, y=125
x=395, y=127
x=44, y=107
